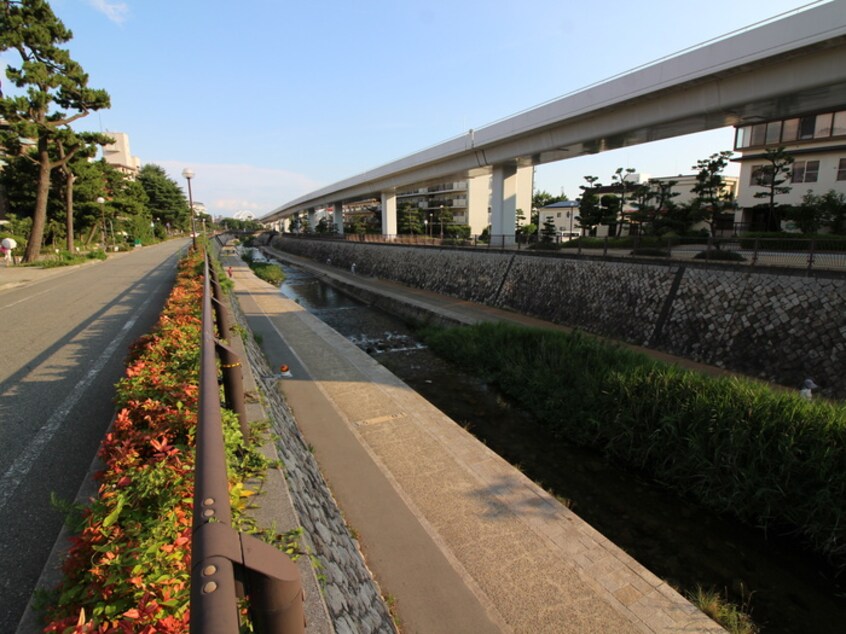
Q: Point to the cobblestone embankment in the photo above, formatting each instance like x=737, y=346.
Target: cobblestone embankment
x=776, y=325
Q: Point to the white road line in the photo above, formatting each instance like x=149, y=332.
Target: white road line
x=25, y=299
x=26, y=460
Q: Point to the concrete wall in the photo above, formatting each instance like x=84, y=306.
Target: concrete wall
x=779, y=326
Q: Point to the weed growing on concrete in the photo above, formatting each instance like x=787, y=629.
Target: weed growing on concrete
x=735, y=619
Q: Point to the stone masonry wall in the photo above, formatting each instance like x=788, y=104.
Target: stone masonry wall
x=351, y=595
x=778, y=326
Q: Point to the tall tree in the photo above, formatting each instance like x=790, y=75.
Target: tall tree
x=590, y=211
x=712, y=197
x=409, y=219
x=620, y=178
x=84, y=146
x=56, y=94
x=166, y=200
x=772, y=176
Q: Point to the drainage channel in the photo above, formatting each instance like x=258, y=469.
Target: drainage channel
x=786, y=590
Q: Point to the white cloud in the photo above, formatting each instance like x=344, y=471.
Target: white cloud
x=117, y=12
x=227, y=188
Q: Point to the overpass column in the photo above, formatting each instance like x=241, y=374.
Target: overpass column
x=503, y=204
x=339, y=217
x=478, y=203
x=310, y=217
x=389, y=213
x=525, y=189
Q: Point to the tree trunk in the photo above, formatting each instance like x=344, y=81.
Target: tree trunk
x=39, y=216
x=69, y=180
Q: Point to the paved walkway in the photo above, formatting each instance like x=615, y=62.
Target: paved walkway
x=460, y=539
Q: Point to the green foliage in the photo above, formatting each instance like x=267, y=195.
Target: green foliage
x=51, y=92
x=269, y=272
x=543, y=198
x=590, y=212
x=735, y=619
x=712, y=198
x=817, y=211
x=409, y=219
x=548, y=231
x=772, y=177
x=166, y=202
x=769, y=457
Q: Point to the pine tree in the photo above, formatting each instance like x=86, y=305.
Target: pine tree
x=55, y=93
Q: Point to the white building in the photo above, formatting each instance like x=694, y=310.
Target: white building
x=817, y=143
x=118, y=155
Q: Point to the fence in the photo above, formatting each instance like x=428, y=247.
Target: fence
x=228, y=565
x=817, y=253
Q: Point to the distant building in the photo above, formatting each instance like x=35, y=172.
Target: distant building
x=117, y=154
x=816, y=141
x=563, y=215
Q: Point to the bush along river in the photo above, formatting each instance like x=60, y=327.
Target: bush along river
x=785, y=589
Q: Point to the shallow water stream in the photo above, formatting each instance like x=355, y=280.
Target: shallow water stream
x=786, y=589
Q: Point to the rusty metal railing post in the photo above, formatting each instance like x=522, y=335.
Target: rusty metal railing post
x=225, y=563
x=233, y=385
x=214, y=608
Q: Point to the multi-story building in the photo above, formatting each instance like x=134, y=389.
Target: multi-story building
x=118, y=155
x=817, y=143
x=430, y=200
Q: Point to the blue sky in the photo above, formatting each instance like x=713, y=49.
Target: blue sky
x=268, y=100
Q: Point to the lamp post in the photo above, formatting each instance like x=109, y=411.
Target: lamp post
x=188, y=174
x=102, y=202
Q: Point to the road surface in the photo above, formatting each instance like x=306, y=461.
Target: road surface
x=63, y=340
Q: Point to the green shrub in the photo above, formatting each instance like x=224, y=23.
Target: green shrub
x=769, y=457
x=269, y=272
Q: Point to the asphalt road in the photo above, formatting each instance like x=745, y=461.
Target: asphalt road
x=63, y=340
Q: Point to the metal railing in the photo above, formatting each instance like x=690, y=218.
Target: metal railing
x=228, y=565
x=818, y=253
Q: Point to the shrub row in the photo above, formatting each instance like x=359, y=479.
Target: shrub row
x=769, y=457
x=128, y=568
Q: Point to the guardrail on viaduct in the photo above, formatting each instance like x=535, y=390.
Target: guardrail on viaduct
x=228, y=565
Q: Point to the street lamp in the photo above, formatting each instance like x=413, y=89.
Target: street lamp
x=188, y=174
x=102, y=203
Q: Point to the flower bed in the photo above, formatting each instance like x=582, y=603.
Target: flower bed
x=128, y=568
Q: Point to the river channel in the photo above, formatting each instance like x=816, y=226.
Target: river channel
x=787, y=591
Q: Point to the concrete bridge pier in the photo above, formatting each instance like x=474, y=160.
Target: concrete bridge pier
x=389, y=213
x=511, y=189
x=339, y=217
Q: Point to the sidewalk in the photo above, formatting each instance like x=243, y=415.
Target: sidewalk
x=460, y=539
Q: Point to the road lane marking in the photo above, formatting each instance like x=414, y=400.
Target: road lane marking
x=13, y=477
x=25, y=299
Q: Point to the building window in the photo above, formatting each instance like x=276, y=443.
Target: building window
x=806, y=127
x=822, y=129
x=773, y=132
x=805, y=171
x=839, y=127
x=790, y=130
x=841, y=170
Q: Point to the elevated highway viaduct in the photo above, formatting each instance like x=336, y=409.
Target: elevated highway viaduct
x=792, y=65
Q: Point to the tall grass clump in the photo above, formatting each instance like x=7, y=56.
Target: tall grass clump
x=769, y=457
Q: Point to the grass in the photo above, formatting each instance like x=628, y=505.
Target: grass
x=269, y=272
x=767, y=457
x=733, y=618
